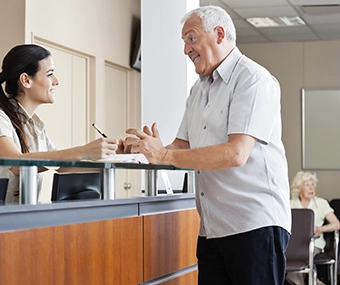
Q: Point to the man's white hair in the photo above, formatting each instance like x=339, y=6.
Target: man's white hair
x=213, y=16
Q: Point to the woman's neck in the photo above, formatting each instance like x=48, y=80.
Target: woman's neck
x=304, y=202
x=27, y=105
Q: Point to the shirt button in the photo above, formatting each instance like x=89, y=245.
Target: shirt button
x=202, y=194
x=204, y=127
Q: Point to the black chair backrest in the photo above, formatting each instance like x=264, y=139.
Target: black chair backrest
x=76, y=186
x=335, y=205
x=302, y=231
x=329, y=239
x=3, y=189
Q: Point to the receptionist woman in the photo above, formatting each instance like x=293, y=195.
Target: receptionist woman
x=28, y=78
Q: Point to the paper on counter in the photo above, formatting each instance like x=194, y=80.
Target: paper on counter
x=126, y=158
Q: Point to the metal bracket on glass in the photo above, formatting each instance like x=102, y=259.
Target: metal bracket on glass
x=28, y=184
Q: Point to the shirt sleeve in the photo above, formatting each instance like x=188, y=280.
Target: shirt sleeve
x=255, y=107
x=324, y=206
x=6, y=127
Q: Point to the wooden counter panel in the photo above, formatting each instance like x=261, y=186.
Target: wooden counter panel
x=169, y=242
x=104, y=252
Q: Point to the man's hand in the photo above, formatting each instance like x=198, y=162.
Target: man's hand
x=147, y=142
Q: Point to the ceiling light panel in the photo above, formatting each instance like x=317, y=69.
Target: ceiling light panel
x=263, y=22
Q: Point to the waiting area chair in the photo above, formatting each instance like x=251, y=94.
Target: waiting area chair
x=335, y=204
x=300, y=250
x=330, y=256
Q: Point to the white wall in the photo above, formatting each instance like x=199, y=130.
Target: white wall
x=164, y=65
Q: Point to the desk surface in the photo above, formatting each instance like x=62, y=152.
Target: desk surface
x=83, y=163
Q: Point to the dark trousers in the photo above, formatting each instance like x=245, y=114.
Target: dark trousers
x=253, y=258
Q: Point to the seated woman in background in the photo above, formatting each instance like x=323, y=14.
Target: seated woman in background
x=303, y=196
x=28, y=75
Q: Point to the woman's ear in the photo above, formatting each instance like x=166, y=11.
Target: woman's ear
x=25, y=80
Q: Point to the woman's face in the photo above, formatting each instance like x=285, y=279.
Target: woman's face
x=307, y=190
x=43, y=83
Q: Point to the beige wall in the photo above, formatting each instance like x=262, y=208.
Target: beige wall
x=296, y=66
x=12, y=24
x=103, y=30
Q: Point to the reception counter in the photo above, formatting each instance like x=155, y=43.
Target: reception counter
x=144, y=240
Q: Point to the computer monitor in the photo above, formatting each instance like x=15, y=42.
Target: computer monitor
x=76, y=186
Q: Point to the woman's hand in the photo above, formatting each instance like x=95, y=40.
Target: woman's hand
x=317, y=230
x=99, y=148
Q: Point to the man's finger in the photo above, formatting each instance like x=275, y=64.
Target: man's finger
x=136, y=132
x=147, y=130
x=155, y=130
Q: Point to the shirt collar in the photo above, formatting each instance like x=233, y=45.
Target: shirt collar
x=226, y=68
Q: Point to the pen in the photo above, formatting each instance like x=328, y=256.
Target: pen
x=98, y=130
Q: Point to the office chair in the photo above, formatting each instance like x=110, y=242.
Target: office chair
x=3, y=189
x=330, y=255
x=76, y=186
x=335, y=205
x=300, y=250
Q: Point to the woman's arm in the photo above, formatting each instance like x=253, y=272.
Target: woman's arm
x=333, y=224
x=97, y=149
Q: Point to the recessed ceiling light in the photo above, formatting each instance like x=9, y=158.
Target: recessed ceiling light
x=275, y=22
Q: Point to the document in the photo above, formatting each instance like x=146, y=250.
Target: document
x=126, y=158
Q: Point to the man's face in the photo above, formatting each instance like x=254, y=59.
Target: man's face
x=200, y=46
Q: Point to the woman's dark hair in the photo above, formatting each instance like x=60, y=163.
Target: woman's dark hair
x=20, y=59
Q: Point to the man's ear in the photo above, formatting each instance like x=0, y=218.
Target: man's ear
x=25, y=80
x=220, y=33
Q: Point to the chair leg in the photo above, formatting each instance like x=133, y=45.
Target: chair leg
x=331, y=273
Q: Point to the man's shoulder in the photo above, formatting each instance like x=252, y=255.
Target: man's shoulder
x=251, y=66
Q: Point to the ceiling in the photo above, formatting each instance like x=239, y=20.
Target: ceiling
x=321, y=17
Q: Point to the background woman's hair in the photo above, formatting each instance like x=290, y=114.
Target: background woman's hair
x=300, y=178
x=20, y=59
